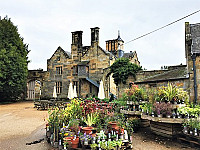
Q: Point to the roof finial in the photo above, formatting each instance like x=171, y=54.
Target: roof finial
x=118, y=33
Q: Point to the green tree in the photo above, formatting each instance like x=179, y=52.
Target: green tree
x=122, y=68
x=13, y=61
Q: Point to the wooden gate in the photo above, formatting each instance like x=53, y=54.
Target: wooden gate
x=31, y=90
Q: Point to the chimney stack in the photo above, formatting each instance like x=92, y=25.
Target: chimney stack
x=95, y=36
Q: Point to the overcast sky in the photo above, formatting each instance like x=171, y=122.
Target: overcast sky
x=47, y=24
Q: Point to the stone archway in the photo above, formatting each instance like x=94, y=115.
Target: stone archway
x=33, y=89
x=34, y=84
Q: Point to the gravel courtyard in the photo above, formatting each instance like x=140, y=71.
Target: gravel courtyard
x=21, y=124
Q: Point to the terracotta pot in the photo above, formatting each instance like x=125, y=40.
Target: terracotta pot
x=68, y=140
x=119, y=130
x=87, y=130
x=75, y=143
x=113, y=124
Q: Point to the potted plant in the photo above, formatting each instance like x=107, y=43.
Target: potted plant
x=74, y=142
x=89, y=120
x=74, y=126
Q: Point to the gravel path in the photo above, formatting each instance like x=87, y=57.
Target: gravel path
x=146, y=140
x=20, y=123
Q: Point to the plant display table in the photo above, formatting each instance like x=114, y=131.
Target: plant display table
x=167, y=127
x=163, y=120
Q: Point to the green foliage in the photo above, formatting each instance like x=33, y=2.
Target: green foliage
x=91, y=119
x=13, y=61
x=93, y=146
x=133, y=125
x=122, y=68
x=192, y=123
x=195, y=111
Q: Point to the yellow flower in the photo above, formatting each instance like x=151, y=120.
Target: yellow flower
x=66, y=134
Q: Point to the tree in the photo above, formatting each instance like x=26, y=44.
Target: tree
x=13, y=61
x=122, y=68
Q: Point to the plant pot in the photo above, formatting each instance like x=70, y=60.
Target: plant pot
x=68, y=140
x=87, y=130
x=48, y=134
x=113, y=124
x=119, y=130
x=55, y=145
x=74, y=143
x=160, y=115
x=168, y=116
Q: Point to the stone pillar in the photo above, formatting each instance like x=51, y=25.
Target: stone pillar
x=190, y=39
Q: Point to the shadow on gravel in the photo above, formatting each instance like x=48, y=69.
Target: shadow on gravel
x=148, y=136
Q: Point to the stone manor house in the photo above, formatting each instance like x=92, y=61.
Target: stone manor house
x=84, y=66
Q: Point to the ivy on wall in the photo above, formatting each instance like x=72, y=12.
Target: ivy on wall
x=122, y=68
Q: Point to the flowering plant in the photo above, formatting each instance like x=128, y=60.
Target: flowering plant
x=74, y=108
x=162, y=108
x=135, y=93
x=74, y=125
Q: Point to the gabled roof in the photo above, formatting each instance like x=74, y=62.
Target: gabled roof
x=177, y=73
x=131, y=54
x=86, y=48
x=66, y=54
x=105, y=51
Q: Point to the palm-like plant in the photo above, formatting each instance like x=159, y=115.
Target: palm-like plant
x=91, y=119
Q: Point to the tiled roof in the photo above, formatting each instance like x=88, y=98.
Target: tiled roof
x=93, y=82
x=172, y=74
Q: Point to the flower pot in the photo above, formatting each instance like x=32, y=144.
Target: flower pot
x=87, y=130
x=74, y=143
x=55, y=145
x=119, y=130
x=113, y=124
x=185, y=131
x=168, y=116
x=68, y=140
x=48, y=134
x=160, y=115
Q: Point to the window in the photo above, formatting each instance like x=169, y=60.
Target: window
x=58, y=87
x=58, y=58
x=93, y=66
x=58, y=70
x=75, y=70
x=87, y=69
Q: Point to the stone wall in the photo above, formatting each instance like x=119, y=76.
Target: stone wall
x=188, y=47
